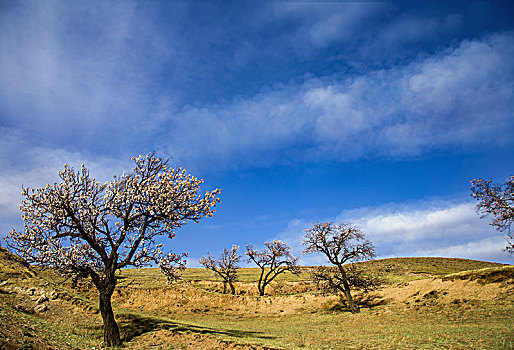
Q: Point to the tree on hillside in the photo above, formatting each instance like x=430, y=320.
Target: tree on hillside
x=226, y=267
x=496, y=200
x=340, y=243
x=86, y=228
x=273, y=260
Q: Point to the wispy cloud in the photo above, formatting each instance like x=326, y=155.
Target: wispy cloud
x=78, y=76
x=421, y=226
x=123, y=92
x=319, y=25
x=459, y=98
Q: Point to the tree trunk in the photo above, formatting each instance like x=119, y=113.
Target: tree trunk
x=111, y=330
x=354, y=308
x=261, y=290
x=261, y=284
x=232, y=289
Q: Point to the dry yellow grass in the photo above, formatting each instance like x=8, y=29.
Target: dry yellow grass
x=424, y=313
x=410, y=311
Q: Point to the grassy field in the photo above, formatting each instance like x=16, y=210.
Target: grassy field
x=424, y=303
x=394, y=270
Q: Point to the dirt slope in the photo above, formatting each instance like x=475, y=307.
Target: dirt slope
x=188, y=299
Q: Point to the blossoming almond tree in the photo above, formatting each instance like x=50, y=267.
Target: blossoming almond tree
x=83, y=227
x=226, y=267
x=274, y=259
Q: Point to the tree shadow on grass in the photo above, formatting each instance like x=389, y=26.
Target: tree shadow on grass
x=133, y=325
x=367, y=301
x=370, y=301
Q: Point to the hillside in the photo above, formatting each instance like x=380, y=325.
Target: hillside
x=13, y=267
x=423, y=303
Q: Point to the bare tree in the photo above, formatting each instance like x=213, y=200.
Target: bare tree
x=273, y=260
x=496, y=200
x=328, y=280
x=86, y=228
x=226, y=267
x=340, y=243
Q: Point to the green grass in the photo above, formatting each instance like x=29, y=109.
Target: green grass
x=376, y=328
x=23, y=330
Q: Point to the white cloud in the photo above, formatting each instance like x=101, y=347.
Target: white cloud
x=414, y=224
x=486, y=249
x=426, y=228
x=103, y=96
x=408, y=29
x=322, y=24
x=422, y=228
x=455, y=99
x=79, y=76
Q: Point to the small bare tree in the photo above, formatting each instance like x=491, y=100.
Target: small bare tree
x=90, y=229
x=226, y=267
x=498, y=201
x=340, y=243
x=273, y=260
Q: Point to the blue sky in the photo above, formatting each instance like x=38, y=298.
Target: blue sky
x=377, y=113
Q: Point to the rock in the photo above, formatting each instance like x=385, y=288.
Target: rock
x=53, y=295
x=41, y=308
x=42, y=299
x=21, y=308
x=6, y=291
x=4, y=283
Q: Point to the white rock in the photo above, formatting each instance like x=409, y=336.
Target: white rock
x=42, y=299
x=41, y=308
